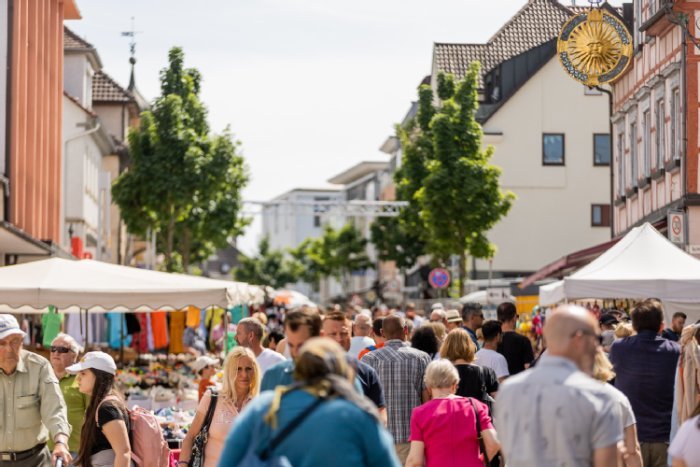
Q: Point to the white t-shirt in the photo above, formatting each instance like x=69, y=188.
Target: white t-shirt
x=267, y=358
x=358, y=343
x=686, y=444
x=494, y=360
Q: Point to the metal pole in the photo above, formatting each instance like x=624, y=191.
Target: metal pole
x=225, y=332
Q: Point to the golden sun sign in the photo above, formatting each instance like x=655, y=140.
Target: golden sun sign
x=594, y=48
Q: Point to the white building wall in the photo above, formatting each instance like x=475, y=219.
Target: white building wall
x=82, y=161
x=77, y=78
x=115, y=119
x=552, y=214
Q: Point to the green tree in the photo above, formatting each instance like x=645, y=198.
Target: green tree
x=460, y=199
x=268, y=267
x=337, y=253
x=182, y=181
x=403, y=238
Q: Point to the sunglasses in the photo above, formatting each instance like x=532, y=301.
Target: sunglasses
x=598, y=337
x=58, y=349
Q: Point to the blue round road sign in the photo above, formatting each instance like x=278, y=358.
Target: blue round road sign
x=439, y=278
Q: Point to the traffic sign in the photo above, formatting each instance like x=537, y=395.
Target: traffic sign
x=439, y=278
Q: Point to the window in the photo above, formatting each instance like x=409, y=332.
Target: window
x=553, y=149
x=660, y=133
x=621, y=162
x=638, y=35
x=646, y=142
x=601, y=149
x=676, y=124
x=634, y=173
x=600, y=215
x=319, y=209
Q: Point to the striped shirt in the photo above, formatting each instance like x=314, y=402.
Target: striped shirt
x=400, y=368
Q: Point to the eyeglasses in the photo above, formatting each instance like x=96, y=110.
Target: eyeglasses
x=59, y=349
x=585, y=332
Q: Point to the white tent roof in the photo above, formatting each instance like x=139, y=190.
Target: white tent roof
x=643, y=264
x=97, y=286
x=481, y=297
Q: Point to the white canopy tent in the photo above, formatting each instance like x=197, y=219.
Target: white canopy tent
x=72, y=286
x=643, y=264
x=482, y=297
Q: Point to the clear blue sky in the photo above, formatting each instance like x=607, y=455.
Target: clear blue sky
x=309, y=87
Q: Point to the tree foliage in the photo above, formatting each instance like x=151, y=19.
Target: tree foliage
x=446, y=176
x=337, y=253
x=460, y=199
x=268, y=267
x=183, y=182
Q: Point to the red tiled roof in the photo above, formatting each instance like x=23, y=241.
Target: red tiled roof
x=105, y=89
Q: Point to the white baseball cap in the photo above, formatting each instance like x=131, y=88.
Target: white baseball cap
x=9, y=326
x=95, y=360
x=437, y=306
x=202, y=362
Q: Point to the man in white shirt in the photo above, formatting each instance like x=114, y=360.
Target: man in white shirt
x=488, y=356
x=361, y=329
x=249, y=333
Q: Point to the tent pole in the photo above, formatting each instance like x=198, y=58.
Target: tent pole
x=121, y=341
x=225, y=332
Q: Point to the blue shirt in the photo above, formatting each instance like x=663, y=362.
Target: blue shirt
x=337, y=433
x=645, y=366
x=282, y=374
x=472, y=334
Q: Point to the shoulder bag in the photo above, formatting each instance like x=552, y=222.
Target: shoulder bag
x=497, y=460
x=200, y=441
x=256, y=458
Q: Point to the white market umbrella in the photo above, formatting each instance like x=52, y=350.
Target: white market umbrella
x=99, y=287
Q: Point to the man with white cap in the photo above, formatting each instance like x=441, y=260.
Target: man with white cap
x=31, y=404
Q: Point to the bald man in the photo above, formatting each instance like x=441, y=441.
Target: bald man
x=555, y=414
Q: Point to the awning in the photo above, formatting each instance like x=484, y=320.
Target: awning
x=15, y=241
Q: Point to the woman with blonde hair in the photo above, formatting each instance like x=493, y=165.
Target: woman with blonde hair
x=241, y=382
x=603, y=372
x=322, y=401
x=474, y=380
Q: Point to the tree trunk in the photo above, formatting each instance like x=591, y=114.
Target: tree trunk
x=462, y=273
x=186, y=250
x=170, y=234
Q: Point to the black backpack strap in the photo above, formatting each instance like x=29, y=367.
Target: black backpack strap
x=279, y=437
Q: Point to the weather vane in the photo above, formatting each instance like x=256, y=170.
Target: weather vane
x=594, y=47
x=132, y=41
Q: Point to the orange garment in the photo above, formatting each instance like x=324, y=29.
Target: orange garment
x=367, y=350
x=193, y=317
x=177, y=329
x=203, y=385
x=159, y=326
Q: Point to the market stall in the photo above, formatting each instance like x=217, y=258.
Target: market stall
x=643, y=264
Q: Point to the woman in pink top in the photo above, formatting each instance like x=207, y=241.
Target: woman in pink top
x=443, y=430
x=241, y=382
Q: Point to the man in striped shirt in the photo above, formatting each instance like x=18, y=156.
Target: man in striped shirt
x=400, y=368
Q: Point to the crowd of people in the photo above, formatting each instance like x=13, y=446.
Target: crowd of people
x=387, y=387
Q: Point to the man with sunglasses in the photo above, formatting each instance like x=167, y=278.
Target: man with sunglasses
x=32, y=409
x=64, y=353
x=554, y=413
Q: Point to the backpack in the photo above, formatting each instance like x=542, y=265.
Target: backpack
x=148, y=447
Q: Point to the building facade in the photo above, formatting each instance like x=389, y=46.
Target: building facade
x=31, y=52
x=655, y=121
x=551, y=140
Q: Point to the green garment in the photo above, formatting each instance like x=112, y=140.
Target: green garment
x=50, y=325
x=76, y=405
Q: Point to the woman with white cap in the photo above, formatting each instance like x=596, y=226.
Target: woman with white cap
x=104, y=440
